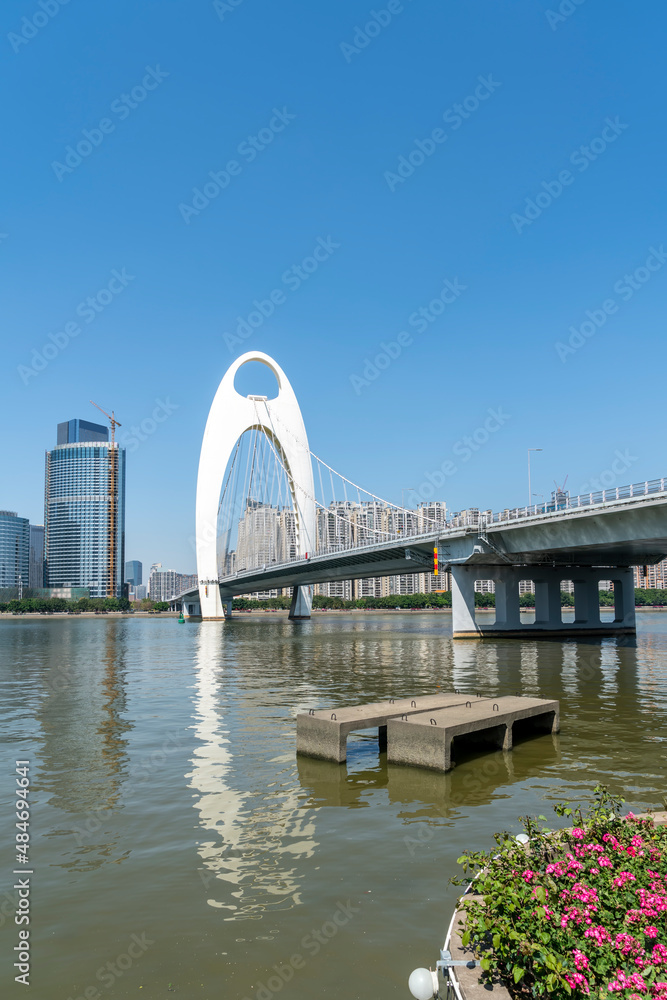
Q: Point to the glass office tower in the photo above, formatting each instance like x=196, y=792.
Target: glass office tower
x=84, y=510
x=37, y=555
x=133, y=570
x=14, y=549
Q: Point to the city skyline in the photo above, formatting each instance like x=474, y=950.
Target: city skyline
x=312, y=253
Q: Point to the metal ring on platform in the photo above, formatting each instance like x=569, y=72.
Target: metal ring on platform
x=495, y=706
x=413, y=704
x=311, y=711
x=333, y=716
x=468, y=704
x=404, y=718
x=391, y=701
x=433, y=722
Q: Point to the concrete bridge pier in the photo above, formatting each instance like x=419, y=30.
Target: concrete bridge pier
x=548, y=621
x=302, y=602
x=227, y=604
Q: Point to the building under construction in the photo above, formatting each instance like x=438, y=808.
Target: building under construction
x=84, y=510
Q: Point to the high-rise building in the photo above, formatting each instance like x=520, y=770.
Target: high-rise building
x=73, y=431
x=36, y=555
x=133, y=573
x=14, y=549
x=651, y=577
x=84, y=510
x=163, y=584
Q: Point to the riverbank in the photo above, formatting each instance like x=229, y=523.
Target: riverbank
x=257, y=613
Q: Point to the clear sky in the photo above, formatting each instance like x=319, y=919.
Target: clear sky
x=513, y=148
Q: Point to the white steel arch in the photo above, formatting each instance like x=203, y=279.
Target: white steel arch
x=230, y=416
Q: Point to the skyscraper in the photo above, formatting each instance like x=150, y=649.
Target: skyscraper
x=14, y=549
x=36, y=555
x=133, y=573
x=84, y=510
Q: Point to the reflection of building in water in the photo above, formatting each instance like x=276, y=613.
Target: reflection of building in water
x=251, y=838
x=85, y=758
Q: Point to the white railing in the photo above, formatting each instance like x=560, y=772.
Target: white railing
x=474, y=519
x=584, y=500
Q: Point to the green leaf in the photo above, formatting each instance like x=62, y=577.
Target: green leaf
x=465, y=938
x=496, y=940
x=485, y=964
x=518, y=973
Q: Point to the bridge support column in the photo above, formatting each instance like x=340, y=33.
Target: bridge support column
x=210, y=601
x=302, y=602
x=548, y=621
x=228, y=607
x=624, y=597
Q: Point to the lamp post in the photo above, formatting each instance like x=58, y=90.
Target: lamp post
x=530, y=494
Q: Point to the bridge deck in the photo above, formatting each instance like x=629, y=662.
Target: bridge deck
x=323, y=733
x=425, y=740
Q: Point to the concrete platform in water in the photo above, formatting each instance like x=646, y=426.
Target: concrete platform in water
x=324, y=733
x=426, y=739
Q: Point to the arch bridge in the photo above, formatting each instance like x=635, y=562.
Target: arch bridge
x=332, y=534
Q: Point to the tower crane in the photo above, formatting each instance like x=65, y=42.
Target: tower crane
x=113, y=485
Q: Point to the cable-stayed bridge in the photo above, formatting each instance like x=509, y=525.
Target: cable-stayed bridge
x=272, y=514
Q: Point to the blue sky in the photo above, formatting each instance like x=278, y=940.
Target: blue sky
x=534, y=199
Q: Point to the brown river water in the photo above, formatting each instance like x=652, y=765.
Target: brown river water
x=179, y=849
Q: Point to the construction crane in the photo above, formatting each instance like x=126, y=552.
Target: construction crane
x=113, y=485
x=559, y=498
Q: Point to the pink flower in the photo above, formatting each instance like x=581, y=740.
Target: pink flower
x=622, y=878
x=605, y=862
x=599, y=934
x=659, y=954
x=580, y=960
x=651, y=930
x=577, y=832
x=528, y=875
x=577, y=979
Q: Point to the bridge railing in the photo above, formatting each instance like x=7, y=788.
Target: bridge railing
x=473, y=520
x=583, y=500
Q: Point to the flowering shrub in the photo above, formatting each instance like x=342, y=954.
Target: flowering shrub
x=580, y=911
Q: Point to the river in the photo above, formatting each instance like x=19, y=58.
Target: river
x=180, y=849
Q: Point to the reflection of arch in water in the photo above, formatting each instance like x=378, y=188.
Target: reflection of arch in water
x=253, y=841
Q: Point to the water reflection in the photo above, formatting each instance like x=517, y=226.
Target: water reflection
x=84, y=752
x=254, y=835
x=477, y=779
